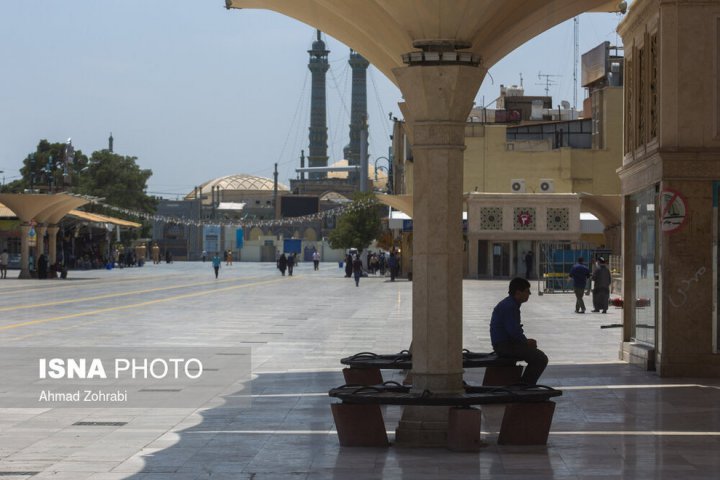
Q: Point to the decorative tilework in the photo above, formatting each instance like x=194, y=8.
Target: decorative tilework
x=524, y=218
x=558, y=219
x=491, y=218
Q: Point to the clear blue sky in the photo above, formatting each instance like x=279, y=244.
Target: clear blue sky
x=196, y=91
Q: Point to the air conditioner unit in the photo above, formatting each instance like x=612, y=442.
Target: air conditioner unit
x=517, y=185
x=547, y=185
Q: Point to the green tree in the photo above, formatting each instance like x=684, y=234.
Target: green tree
x=359, y=226
x=51, y=167
x=118, y=180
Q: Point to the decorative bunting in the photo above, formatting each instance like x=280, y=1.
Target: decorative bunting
x=353, y=207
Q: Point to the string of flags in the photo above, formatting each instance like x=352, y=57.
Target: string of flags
x=250, y=223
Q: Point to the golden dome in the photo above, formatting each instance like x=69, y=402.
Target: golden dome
x=239, y=182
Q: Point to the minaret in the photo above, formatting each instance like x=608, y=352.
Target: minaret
x=110, y=143
x=358, y=111
x=317, y=153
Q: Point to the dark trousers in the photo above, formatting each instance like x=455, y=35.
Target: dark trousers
x=217, y=269
x=579, y=303
x=316, y=263
x=535, y=358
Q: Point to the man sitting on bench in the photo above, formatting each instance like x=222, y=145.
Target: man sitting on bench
x=507, y=336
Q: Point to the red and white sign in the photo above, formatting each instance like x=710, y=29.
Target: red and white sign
x=673, y=210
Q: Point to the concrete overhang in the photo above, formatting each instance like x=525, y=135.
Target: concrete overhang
x=404, y=203
x=41, y=208
x=383, y=30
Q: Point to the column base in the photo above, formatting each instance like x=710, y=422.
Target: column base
x=423, y=427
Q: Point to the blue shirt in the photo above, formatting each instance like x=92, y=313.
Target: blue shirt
x=505, y=326
x=579, y=273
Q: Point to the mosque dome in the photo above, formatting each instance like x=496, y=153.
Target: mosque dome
x=238, y=182
x=382, y=177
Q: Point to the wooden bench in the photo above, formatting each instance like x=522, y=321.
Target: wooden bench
x=364, y=368
x=526, y=421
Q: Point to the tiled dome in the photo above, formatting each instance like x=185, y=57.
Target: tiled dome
x=240, y=182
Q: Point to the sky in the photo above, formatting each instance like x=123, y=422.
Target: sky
x=196, y=92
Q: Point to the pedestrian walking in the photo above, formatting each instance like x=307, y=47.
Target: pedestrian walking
x=357, y=268
x=290, y=263
x=579, y=274
x=228, y=258
x=4, y=260
x=393, y=266
x=601, y=280
x=216, y=263
x=316, y=260
x=282, y=263
x=348, y=265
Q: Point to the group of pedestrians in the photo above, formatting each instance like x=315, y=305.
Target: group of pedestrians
x=376, y=263
x=286, y=263
x=599, y=280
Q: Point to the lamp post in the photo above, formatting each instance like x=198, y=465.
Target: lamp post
x=388, y=170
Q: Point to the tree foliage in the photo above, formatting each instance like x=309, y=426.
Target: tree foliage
x=359, y=226
x=51, y=167
x=118, y=180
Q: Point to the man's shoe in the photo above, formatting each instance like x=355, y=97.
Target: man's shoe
x=604, y=311
x=594, y=311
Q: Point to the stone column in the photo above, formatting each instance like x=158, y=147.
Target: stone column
x=24, y=250
x=438, y=100
x=52, y=243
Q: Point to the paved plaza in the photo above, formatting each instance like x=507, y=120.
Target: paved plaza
x=613, y=420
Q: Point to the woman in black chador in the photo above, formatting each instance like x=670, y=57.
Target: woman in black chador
x=282, y=264
x=348, y=266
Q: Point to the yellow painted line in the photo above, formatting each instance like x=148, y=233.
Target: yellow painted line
x=121, y=294
x=126, y=307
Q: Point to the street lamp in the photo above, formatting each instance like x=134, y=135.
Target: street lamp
x=388, y=169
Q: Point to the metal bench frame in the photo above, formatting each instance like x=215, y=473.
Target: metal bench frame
x=364, y=367
x=526, y=421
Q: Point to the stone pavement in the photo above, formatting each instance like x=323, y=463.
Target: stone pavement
x=613, y=420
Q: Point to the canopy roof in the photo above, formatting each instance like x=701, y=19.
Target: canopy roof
x=383, y=30
x=97, y=218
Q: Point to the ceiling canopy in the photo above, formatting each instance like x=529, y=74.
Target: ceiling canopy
x=383, y=30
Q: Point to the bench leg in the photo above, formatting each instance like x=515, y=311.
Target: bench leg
x=500, y=376
x=359, y=425
x=464, y=429
x=526, y=423
x=362, y=376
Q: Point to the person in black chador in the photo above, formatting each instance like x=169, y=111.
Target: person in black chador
x=529, y=257
x=348, y=266
x=282, y=264
x=42, y=266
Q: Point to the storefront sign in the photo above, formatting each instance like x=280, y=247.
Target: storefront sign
x=674, y=210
